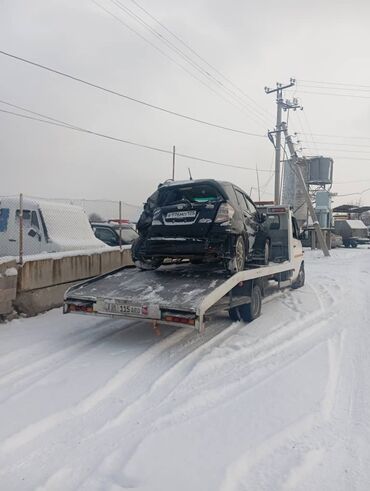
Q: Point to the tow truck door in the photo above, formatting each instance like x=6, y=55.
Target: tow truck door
x=297, y=247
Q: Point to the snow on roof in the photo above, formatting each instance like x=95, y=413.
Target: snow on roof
x=68, y=226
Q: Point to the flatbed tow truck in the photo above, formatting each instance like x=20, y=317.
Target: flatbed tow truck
x=187, y=294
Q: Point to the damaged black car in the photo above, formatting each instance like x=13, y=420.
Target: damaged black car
x=203, y=221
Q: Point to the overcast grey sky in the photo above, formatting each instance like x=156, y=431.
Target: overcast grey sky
x=251, y=43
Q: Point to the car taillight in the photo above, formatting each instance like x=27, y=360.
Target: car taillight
x=225, y=213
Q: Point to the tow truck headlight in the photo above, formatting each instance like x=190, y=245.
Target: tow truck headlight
x=224, y=214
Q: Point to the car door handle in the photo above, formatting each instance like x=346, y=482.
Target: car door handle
x=12, y=240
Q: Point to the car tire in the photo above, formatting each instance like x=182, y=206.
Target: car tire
x=250, y=311
x=299, y=282
x=266, y=253
x=237, y=263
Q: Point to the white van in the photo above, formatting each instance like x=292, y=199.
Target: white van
x=47, y=227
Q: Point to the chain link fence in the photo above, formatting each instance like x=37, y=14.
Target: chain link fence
x=32, y=225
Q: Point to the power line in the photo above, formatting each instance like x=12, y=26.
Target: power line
x=179, y=52
x=333, y=83
x=325, y=87
x=340, y=149
x=124, y=96
x=61, y=123
x=54, y=122
x=334, y=95
x=336, y=136
x=354, y=194
x=166, y=55
x=355, y=145
x=185, y=57
x=200, y=57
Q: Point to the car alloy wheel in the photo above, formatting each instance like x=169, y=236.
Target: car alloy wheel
x=266, y=253
x=237, y=263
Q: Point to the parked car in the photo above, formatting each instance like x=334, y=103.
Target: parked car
x=109, y=233
x=47, y=227
x=201, y=220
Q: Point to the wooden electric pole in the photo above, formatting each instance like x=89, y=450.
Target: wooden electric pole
x=295, y=163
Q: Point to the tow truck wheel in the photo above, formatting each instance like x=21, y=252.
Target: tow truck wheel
x=250, y=311
x=299, y=282
x=234, y=314
x=353, y=244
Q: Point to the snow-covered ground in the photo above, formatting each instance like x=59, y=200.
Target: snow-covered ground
x=280, y=404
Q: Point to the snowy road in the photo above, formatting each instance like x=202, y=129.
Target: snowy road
x=280, y=404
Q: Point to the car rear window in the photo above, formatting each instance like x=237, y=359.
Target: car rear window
x=199, y=193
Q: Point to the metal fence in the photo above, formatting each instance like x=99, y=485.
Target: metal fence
x=32, y=225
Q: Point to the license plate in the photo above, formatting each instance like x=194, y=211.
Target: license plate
x=181, y=214
x=120, y=307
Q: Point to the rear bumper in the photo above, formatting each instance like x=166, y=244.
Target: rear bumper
x=183, y=247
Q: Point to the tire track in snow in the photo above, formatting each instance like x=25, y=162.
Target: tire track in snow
x=123, y=375
x=203, y=400
x=274, y=341
x=106, y=394
x=63, y=358
x=237, y=472
x=25, y=367
x=25, y=378
x=153, y=387
x=170, y=377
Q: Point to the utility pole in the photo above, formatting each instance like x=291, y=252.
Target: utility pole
x=258, y=184
x=295, y=162
x=173, y=162
x=280, y=106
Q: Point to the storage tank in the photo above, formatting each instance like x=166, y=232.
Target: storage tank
x=322, y=208
x=320, y=170
x=293, y=192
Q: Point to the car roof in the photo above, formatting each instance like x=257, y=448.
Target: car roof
x=193, y=181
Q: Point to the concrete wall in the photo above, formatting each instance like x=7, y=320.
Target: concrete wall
x=8, y=286
x=43, y=281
